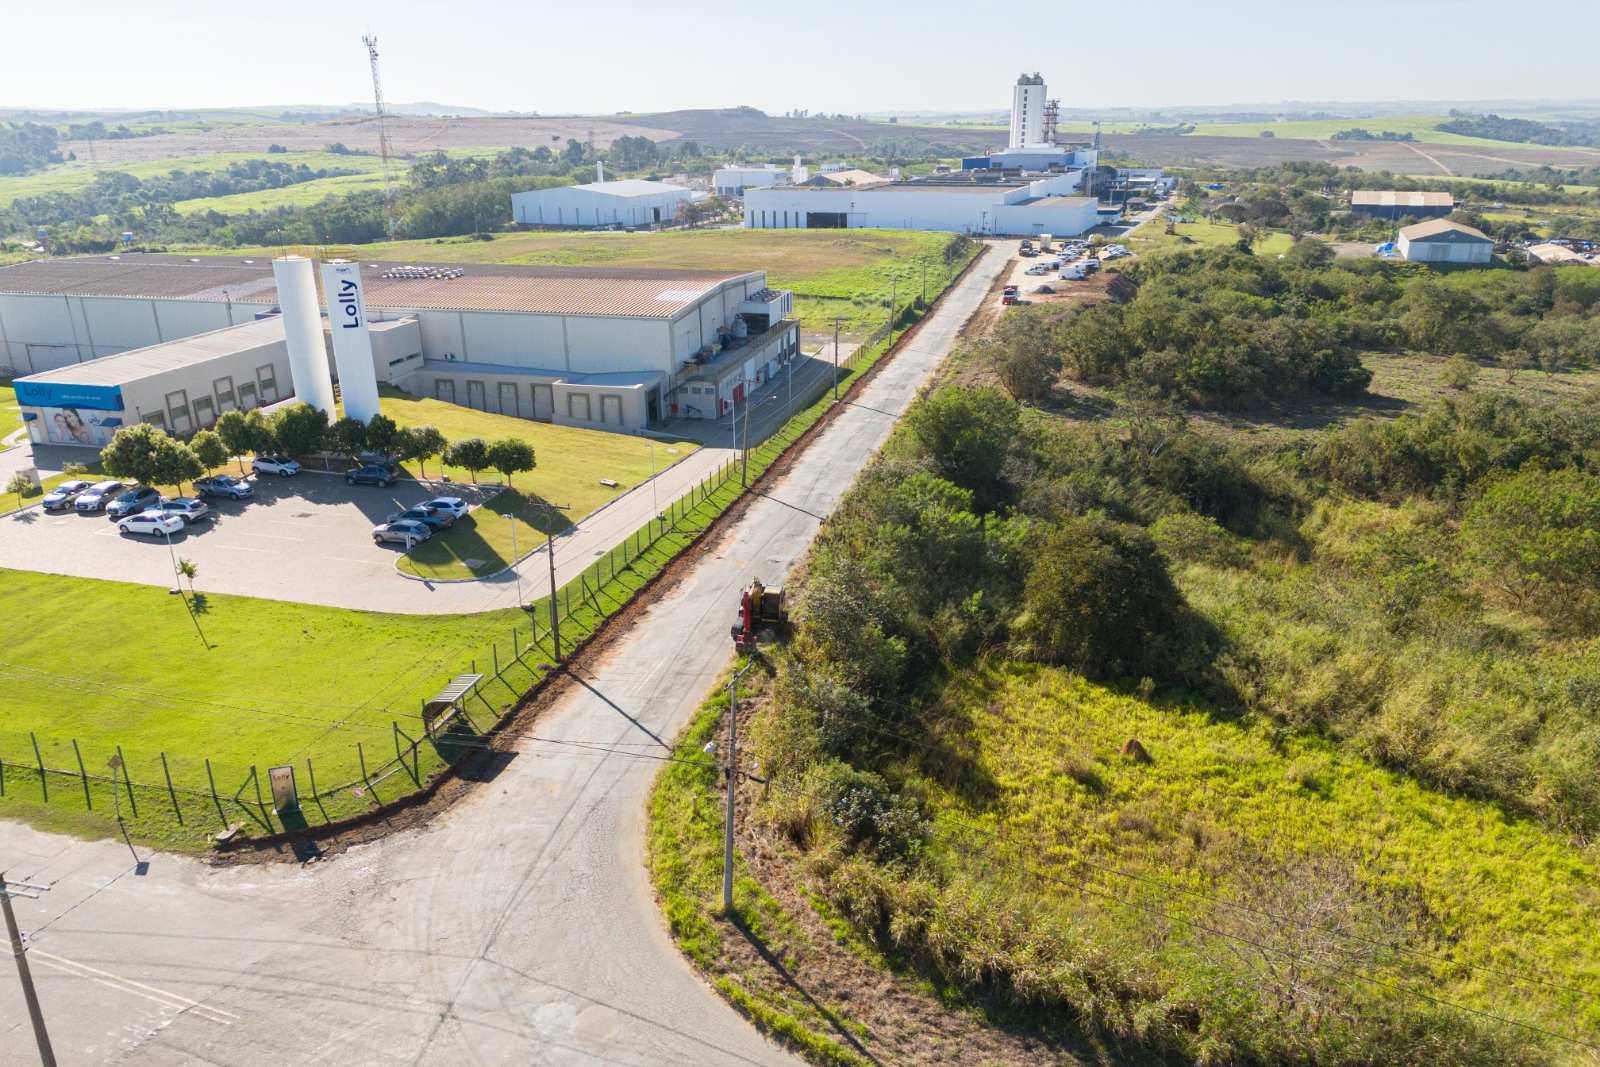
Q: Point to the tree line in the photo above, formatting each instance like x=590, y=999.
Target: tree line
x=146, y=454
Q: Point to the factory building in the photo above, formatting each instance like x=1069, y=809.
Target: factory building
x=631, y=203
x=1034, y=144
x=177, y=341
x=963, y=203
x=1388, y=204
x=733, y=180
x=1442, y=241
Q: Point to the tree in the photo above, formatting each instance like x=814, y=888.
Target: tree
x=471, y=454
x=967, y=434
x=1097, y=593
x=189, y=569
x=131, y=453
x=18, y=485
x=383, y=433
x=144, y=454
x=301, y=430
x=511, y=455
x=244, y=433
x=1026, y=349
x=421, y=443
x=348, y=436
x=209, y=449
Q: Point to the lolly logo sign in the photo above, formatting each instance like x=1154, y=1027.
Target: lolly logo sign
x=350, y=310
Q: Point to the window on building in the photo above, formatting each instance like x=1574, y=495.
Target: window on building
x=267, y=380
x=223, y=387
x=178, y=410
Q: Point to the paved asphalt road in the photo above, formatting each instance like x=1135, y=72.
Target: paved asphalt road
x=519, y=928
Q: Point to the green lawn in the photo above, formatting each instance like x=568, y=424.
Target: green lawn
x=69, y=177
x=300, y=195
x=109, y=663
x=1151, y=237
x=482, y=543
x=571, y=460
x=10, y=410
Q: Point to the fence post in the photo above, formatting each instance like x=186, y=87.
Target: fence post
x=362, y=756
x=496, y=649
x=173, y=793
x=2, y=777
x=132, y=803
x=312, y=774
x=44, y=785
x=257, y=779
x=87, y=802
x=212, y=779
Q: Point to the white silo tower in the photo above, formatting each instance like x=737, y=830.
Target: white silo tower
x=352, y=341
x=1027, y=111
x=302, y=329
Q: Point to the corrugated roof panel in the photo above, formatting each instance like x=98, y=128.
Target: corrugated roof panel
x=641, y=292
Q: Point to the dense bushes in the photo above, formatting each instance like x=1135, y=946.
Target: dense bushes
x=1422, y=594
x=1223, y=327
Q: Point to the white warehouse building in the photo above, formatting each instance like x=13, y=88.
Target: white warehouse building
x=177, y=341
x=633, y=202
x=972, y=202
x=1442, y=241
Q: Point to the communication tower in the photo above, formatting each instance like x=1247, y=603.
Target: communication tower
x=383, y=129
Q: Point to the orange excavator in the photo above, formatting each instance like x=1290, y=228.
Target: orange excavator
x=761, y=612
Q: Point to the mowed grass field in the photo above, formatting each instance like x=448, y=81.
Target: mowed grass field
x=301, y=195
x=79, y=174
x=851, y=273
x=10, y=411
x=241, y=682
x=1152, y=236
x=571, y=460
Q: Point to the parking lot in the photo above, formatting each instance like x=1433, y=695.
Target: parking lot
x=306, y=538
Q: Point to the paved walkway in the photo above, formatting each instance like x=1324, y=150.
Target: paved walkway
x=517, y=928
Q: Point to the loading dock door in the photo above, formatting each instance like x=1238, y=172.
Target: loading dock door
x=611, y=410
x=475, y=396
x=827, y=220
x=510, y=399
x=444, y=389
x=544, y=405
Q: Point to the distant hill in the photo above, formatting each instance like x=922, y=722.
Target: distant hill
x=725, y=128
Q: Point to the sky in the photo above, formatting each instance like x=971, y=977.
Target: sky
x=822, y=55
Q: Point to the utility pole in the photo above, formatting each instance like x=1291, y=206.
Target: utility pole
x=733, y=783
x=836, y=322
x=550, y=554
x=383, y=128
x=744, y=449
x=47, y=1056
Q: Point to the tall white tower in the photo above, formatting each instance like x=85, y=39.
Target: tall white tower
x=302, y=329
x=1027, y=111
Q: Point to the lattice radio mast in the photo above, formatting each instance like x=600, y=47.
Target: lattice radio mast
x=383, y=129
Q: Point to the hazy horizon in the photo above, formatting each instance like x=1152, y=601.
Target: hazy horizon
x=500, y=57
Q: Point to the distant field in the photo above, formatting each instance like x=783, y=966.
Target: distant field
x=79, y=174
x=289, y=196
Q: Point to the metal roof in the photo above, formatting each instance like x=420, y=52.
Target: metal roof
x=617, y=291
x=125, y=367
x=624, y=187
x=1445, y=229
x=1058, y=201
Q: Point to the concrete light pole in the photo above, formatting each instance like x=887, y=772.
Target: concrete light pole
x=47, y=1056
x=550, y=553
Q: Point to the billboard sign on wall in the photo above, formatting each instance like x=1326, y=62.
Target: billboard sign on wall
x=352, y=341
x=72, y=426
x=63, y=395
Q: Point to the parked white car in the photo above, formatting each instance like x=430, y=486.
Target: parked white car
x=282, y=466
x=152, y=524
